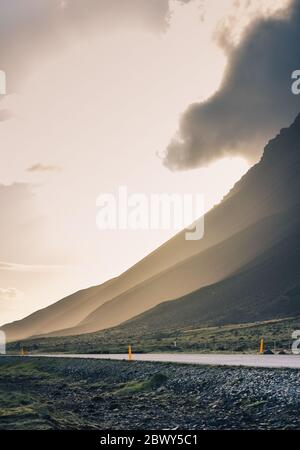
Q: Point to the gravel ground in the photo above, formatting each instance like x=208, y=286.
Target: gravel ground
x=98, y=394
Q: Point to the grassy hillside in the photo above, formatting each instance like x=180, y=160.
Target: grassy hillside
x=230, y=338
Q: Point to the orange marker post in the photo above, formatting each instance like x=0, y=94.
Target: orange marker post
x=261, y=349
x=129, y=353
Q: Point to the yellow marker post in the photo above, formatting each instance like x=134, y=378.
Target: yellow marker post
x=22, y=351
x=261, y=349
x=129, y=353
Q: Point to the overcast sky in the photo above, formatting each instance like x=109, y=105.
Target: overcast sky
x=98, y=96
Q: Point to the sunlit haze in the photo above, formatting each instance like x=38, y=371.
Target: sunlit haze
x=95, y=112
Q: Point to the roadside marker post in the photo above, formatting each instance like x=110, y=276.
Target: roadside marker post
x=261, y=349
x=129, y=353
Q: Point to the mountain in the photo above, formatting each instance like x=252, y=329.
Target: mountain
x=217, y=262
x=267, y=288
x=247, y=224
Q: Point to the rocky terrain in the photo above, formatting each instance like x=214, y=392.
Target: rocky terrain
x=42, y=393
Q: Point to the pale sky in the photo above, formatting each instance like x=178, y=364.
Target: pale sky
x=92, y=105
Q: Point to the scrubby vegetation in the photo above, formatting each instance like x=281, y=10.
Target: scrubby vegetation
x=277, y=335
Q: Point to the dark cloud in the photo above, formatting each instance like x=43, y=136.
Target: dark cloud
x=43, y=168
x=253, y=102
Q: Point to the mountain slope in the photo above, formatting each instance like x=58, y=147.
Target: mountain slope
x=272, y=185
x=179, y=266
x=266, y=288
x=215, y=263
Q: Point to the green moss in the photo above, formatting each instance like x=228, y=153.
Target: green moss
x=134, y=387
x=16, y=411
x=24, y=368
